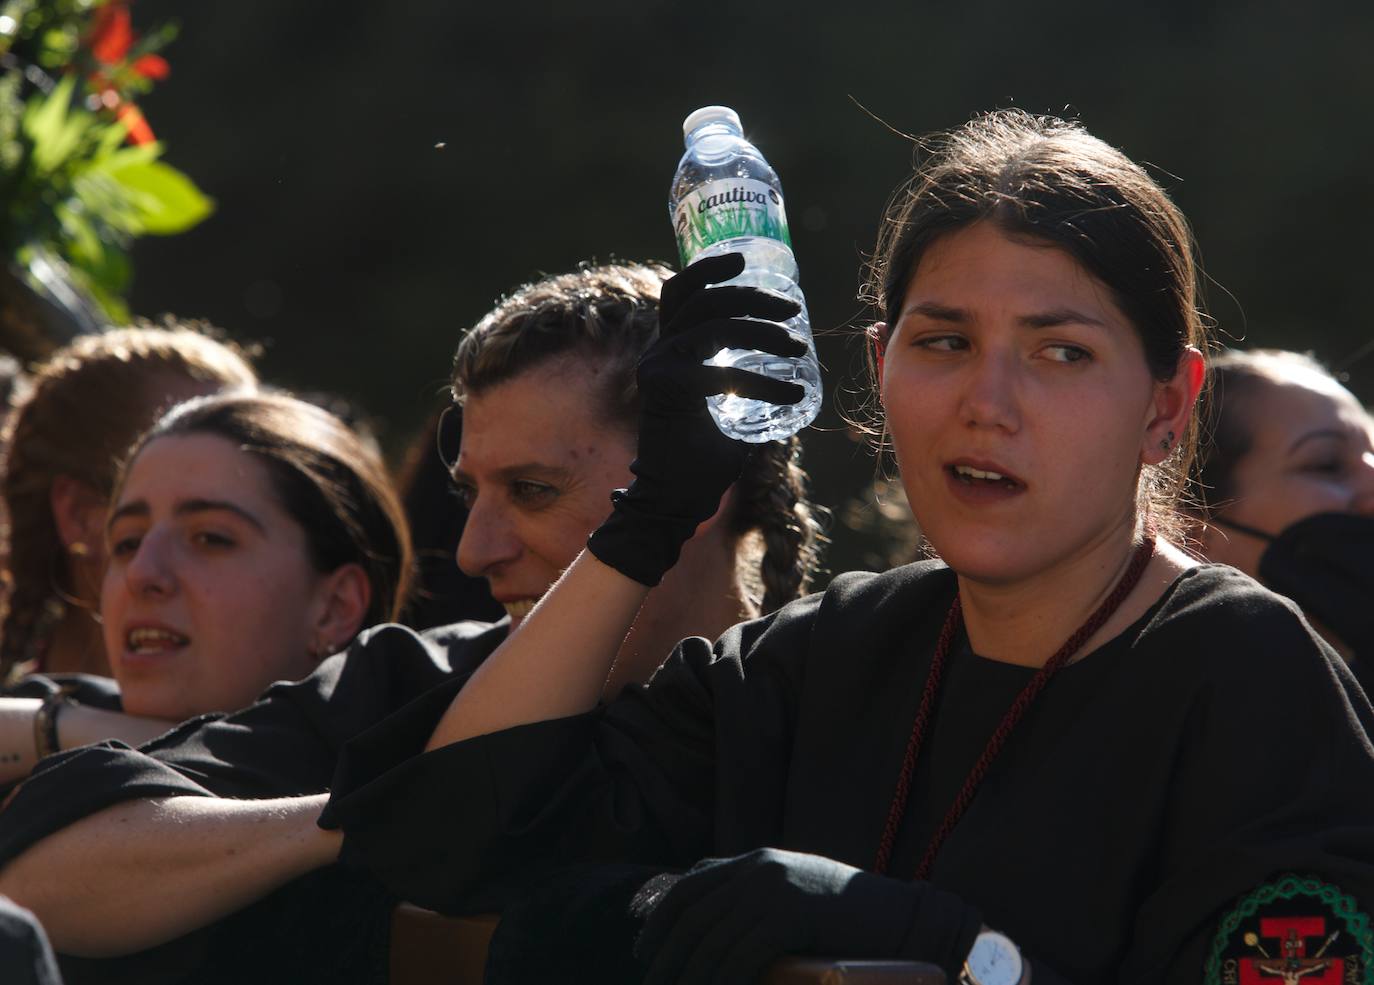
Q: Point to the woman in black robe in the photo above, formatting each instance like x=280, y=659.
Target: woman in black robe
x=1066, y=753
x=162, y=863
x=230, y=568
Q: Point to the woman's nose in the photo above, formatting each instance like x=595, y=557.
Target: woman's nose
x=488, y=540
x=989, y=395
x=151, y=570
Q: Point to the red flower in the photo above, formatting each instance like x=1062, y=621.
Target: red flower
x=152, y=67
x=112, y=33
x=135, y=122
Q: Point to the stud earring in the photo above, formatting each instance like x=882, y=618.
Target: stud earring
x=1165, y=443
x=79, y=548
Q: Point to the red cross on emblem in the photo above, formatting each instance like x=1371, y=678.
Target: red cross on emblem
x=1283, y=959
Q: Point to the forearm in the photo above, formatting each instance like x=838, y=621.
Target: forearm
x=77, y=725
x=147, y=871
x=555, y=664
x=80, y=725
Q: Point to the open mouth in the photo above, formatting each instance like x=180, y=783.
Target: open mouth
x=970, y=476
x=147, y=639
x=519, y=609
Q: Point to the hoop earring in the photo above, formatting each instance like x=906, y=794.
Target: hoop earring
x=66, y=597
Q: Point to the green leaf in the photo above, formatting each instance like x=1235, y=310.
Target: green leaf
x=164, y=200
x=55, y=129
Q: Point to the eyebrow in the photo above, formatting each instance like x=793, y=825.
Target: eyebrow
x=187, y=507
x=519, y=470
x=1041, y=319
x=1319, y=433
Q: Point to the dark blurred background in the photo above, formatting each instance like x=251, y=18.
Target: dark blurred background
x=383, y=172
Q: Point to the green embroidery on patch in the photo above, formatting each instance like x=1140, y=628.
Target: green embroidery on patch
x=1292, y=930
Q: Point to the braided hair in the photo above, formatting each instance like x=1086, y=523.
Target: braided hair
x=771, y=503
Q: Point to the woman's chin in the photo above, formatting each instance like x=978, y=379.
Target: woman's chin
x=146, y=700
x=987, y=559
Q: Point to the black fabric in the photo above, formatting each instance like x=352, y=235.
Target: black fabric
x=1325, y=563
x=577, y=927
x=1213, y=745
x=88, y=689
x=726, y=920
x=331, y=925
x=684, y=464
x=26, y=958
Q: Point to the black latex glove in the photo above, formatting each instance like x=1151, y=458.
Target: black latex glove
x=726, y=920
x=684, y=464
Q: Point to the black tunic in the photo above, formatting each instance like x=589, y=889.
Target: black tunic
x=331, y=925
x=1211, y=746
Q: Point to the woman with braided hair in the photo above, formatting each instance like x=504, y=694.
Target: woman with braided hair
x=545, y=383
x=1064, y=752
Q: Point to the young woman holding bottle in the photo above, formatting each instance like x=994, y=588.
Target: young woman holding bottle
x=1065, y=751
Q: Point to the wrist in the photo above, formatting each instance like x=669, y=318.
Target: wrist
x=640, y=545
x=45, y=723
x=994, y=959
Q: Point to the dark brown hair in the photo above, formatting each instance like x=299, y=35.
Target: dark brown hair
x=82, y=409
x=1049, y=180
x=327, y=479
x=609, y=314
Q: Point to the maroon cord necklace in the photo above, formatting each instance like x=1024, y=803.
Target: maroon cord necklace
x=1023, y=701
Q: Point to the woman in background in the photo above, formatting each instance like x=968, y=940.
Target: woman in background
x=81, y=410
x=1285, y=488
x=250, y=536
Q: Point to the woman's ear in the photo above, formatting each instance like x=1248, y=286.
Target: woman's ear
x=878, y=335
x=78, y=512
x=342, y=600
x=1172, y=406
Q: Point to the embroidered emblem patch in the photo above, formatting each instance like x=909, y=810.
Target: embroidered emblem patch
x=1293, y=931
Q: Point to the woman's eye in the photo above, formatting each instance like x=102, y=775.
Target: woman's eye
x=1326, y=466
x=535, y=494
x=123, y=546
x=1064, y=353
x=212, y=538
x=466, y=494
x=941, y=343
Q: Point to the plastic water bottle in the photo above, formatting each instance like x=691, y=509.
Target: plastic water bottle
x=727, y=199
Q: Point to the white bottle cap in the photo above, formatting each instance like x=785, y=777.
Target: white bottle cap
x=710, y=114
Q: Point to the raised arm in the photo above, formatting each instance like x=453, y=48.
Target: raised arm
x=183, y=862
x=555, y=664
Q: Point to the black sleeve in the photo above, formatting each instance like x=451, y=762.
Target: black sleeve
x=652, y=777
x=26, y=958
x=88, y=689
x=284, y=745
x=1274, y=774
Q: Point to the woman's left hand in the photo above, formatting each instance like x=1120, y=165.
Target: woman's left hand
x=726, y=920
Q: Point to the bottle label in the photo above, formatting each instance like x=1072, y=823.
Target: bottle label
x=726, y=209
